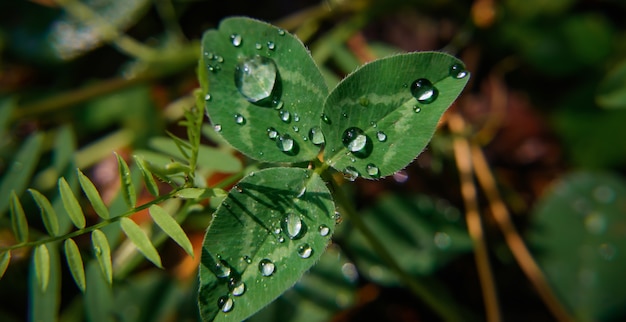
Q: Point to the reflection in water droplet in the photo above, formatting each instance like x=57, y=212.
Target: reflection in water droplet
x=354, y=139
x=401, y=176
x=239, y=119
x=281, y=239
x=293, y=226
x=442, y=240
x=272, y=133
x=266, y=267
x=271, y=45
x=286, y=144
x=237, y=287
x=285, y=116
x=604, y=194
x=207, y=97
x=217, y=128
x=316, y=135
x=607, y=251
x=255, y=78
x=225, y=303
x=417, y=109
x=222, y=270
x=372, y=170
x=424, y=91
x=305, y=251
x=324, y=230
x=258, y=46
x=236, y=40
x=325, y=119
x=595, y=223
x=381, y=136
x=350, y=173
x=458, y=71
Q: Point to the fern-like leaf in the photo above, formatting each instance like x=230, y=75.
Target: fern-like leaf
x=171, y=228
x=128, y=189
x=72, y=207
x=75, y=263
x=5, y=259
x=148, y=179
x=93, y=196
x=42, y=266
x=48, y=215
x=18, y=219
x=141, y=240
x=102, y=251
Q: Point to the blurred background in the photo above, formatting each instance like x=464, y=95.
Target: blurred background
x=545, y=107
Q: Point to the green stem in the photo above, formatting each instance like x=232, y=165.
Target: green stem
x=440, y=303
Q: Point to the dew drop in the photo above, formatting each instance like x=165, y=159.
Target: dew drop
x=281, y=239
x=381, y=136
x=219, y=59
x=293, y=226
x=350, y=173
x=285, y=116
x=247, y=259
x=373, y=124
x=325, y=119
x=324, y=230
x=442, y=240
x=417, y=109
x=255, y=78
x=345, y=115
x=286, y=144
x=278, y=104
x=281, y=32
x=301, y=193
x=222, y=269
x=207, y=97
x=236, y=287
x=296, y=129
x=316, y=135
x=424, y=91
x=277, y=231
x=296, y=117
x=236, y=40
x=267, y=267
x=217, y=128
x=354, y=139
x=258, y=46
x=225, y=304
x=271, y=45
x=239, y=119
x=305, y=251
x=272, y=133
x=372, y=170
x=338, y=218
x=458, y=71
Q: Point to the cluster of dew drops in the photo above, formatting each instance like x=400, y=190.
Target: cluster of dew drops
x=291, y=225
x=256, y=78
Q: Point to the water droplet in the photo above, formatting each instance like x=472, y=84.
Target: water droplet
x=271, y=45
x=281, y=239
x=296, y=129
x=296, y=117
x=281, y=32
x=424, y=91
x=417, y=109
x=325, y=119
x=267, y=267
x=293, y=226
x=354, y=139
x=222, y=269
x=349, y=272
x=301, y=193
x=236, y=40
x=207, y=97
x=236, y=287
x=595, y=223
x=286, y=144
x=277, y=230
x=372, y=170
x=272, y=133
x=316, y=135
x=258, y=46
x=278, y=104
x=247, y=259
x=363, y=101
x=373, y=124
x=345, y=115
x=285, y=116
x=217, y=128
x=338, y=218
x=219, y=59
x=239, y=119
x=442, y=240
x=209, y=55
x=225, y=303
x=305, y=251
x=350, y=173
x=458, y=71
x=255, y=78
x=324, y=230
x=401, y=176
x=381, y=136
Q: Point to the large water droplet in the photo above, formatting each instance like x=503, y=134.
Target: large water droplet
x=237, y=287
x=350, y=173
x=381, y=136
x=286, y=144
x=424, y=91
x=225, y=304
x=316, y=136
x=208, y=97
x=354, y=139
x=458, y=71
x=272, y=133
x=239, y=119
x=285, y=116
x=442, y=240
x=305, y=251
x=293, y=226
x=267, y=267
x=324, y=230
x=271, y=45
x=217, y=128
x=372, y=170
x=236, y=40
x=256, y=78
x=222, y=270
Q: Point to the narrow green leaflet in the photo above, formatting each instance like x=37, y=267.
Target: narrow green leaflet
x=18, y=219
x=43, y=305
x=195, y=193
x=148, y=179
x=141, y=240
x=72, y=207
x=94, y=197
x=263, y=90
x=20, y=169
x=379, y=118
x=272, y=227
x=128, y=189
x=48, y=215
x=171, y=228
x=5, y=259
x=75, y=263
x=42, y=266
x=102, y=251
x=579, y=240
x=208, y=157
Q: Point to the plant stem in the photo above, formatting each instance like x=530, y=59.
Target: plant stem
x=439, y=302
